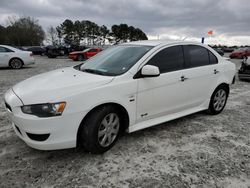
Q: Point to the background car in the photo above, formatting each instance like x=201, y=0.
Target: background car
x=14, y=58
x=240, y=53
x=37, y=50
x=228, y=49
x=219, y=51
x=55, y=51
x=86, y=54
x=244, y=71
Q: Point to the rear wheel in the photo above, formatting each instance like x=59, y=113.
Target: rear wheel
x=218, y=100
x=16, y=63
x=101, y=129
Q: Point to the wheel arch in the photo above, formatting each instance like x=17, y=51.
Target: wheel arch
x=223, y=84
x=122, y=110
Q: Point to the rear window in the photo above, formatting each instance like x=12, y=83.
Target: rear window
x=213, y=59
x=3, y=49
x=196, y=56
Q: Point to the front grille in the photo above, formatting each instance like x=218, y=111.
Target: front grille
x=38, y=137
x=8, y=106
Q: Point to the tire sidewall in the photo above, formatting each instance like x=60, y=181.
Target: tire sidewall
x=89, y=135
x=21, y=63
x=211, y=104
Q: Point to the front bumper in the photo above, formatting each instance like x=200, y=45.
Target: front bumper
x=60, y=132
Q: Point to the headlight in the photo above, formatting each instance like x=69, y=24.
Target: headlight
x=44, y=110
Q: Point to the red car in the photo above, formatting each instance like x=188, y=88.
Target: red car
x=240, y=53
x=85, y=54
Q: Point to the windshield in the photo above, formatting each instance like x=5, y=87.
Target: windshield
x=115, y=60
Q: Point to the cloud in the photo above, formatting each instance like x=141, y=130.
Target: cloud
x=181, y=18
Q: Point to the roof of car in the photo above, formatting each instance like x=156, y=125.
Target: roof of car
x=10, y=47
x=157, y=42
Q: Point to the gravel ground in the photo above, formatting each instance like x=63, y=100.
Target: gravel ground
x=194, y=151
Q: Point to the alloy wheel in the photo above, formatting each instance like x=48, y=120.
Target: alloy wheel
x=108, y=129
x=220, y=99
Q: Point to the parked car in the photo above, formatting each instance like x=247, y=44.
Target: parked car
x=228, y=49
x=85, y=54
x=37, y=50
x=240, y=53
x=54, y=51
x=129, y=87
x=15, y=58
x=219, y=51
x=244, y=71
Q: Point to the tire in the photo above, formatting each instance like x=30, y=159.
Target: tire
x=101, y=129
x=218, y=100
x=16, y=63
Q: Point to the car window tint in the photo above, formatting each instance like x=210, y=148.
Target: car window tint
x=197, y=56
x=168, y=59
x=2, y=49
x=213, y=59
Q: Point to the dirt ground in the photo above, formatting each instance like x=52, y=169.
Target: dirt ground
x=199, y=150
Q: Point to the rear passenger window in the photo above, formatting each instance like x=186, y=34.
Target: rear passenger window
x=196, y=56
x=213, y=59
x=168, y=59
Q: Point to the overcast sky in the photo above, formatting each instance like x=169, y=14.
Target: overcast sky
x=175, y=19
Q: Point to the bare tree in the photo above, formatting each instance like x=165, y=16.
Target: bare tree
x=52, y=36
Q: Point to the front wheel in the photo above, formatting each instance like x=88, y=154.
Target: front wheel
x=218, y=100
x=100, y=130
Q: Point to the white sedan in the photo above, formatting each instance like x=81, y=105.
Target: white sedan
x=127, y=87
x=14, y=58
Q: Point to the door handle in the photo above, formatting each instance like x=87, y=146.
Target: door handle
x=216, y=71
x=183, y=78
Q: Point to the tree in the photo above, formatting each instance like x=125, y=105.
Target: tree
x=104, y=34
x=124, y=33
x=24, y=31
x=68, y=31
x=53, y=36
x=2, y=34
x=90, y=33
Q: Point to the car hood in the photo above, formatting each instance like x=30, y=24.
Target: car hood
x=57, y=84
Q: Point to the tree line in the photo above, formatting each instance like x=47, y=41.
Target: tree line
x=26, y=31
x=23, y=31
x=89, y=33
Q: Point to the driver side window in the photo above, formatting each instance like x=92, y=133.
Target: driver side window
x=169, y=59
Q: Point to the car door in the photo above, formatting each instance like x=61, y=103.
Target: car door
x=4, y=56
x=91, y=52
x=201, y=73
x=165, y=94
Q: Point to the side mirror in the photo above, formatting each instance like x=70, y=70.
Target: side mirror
x=150, y=71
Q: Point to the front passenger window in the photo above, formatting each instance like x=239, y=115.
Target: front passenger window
x=168, y=59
